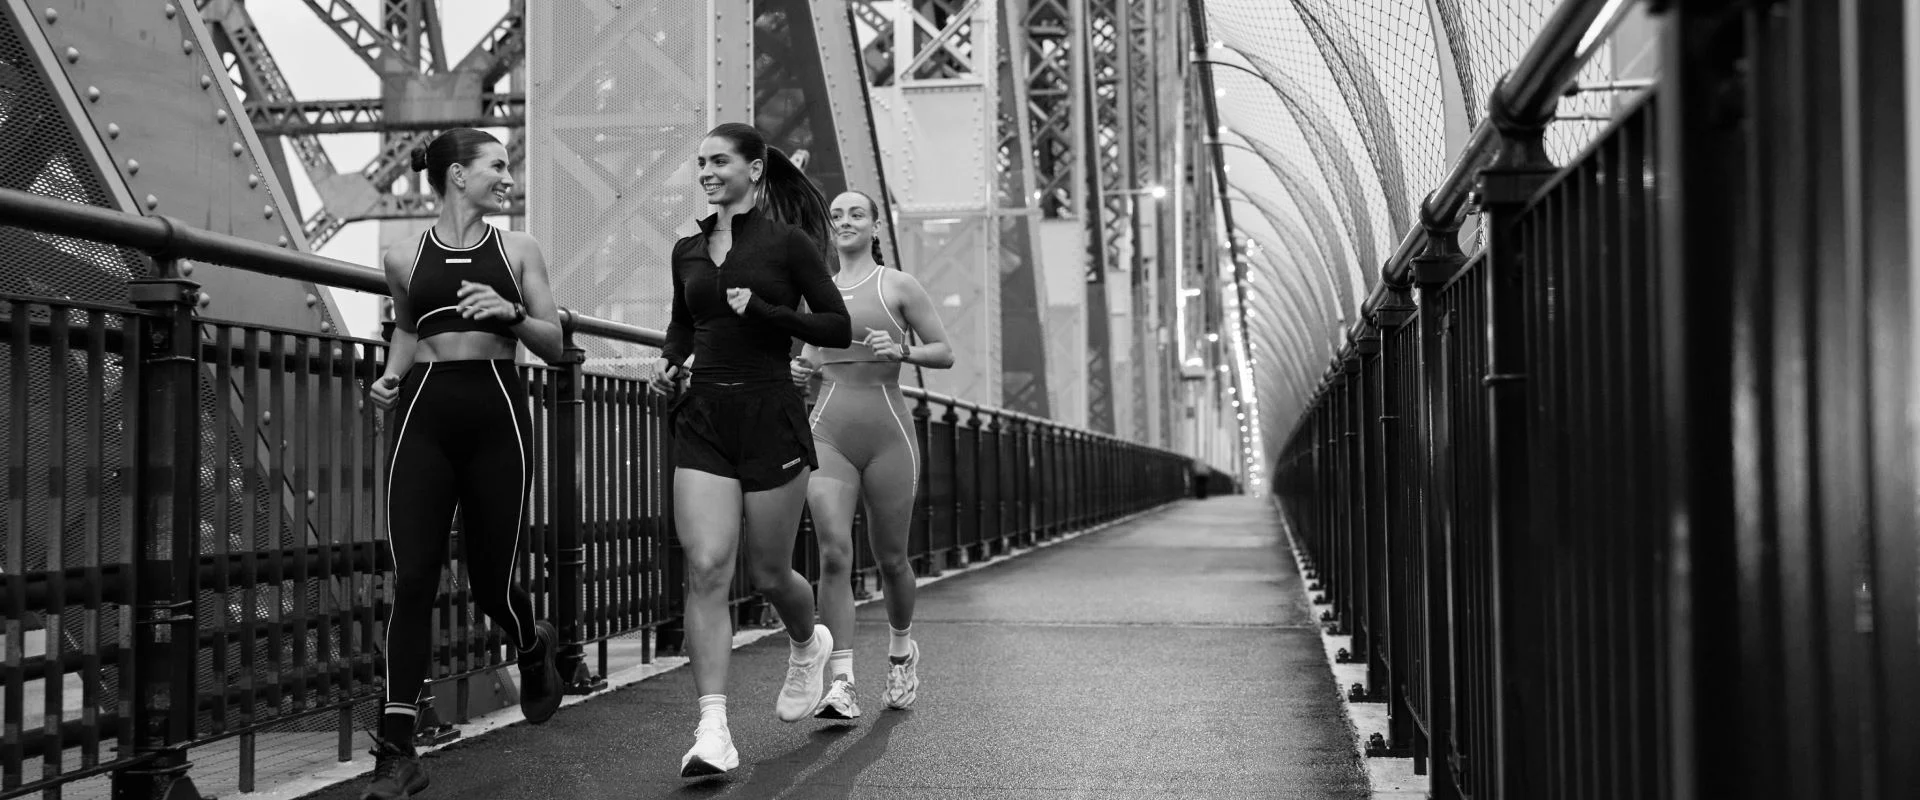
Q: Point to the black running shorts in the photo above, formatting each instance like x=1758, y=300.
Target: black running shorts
x=754, y=433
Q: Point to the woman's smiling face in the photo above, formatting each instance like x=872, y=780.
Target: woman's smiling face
x=851, y=216
x=724, y=176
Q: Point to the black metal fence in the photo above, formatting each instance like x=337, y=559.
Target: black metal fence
x=193, y=545
x=1622, y=505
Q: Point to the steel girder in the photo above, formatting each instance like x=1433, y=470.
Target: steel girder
x=1051, y=72
x=420, y=93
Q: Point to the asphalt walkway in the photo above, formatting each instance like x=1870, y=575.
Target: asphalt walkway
x=1170, y=657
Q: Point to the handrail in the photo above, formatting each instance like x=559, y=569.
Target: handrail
x=176, y=239
x=1530, y=91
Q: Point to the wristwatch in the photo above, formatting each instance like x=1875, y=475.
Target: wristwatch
x=519, y=314
x=906, y=352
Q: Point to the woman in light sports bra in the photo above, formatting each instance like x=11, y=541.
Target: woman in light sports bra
x=863, y=433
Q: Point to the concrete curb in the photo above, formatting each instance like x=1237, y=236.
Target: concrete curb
x=342, y=772
x=1388, y=778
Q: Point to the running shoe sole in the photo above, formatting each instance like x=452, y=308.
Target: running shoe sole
x=699, y=768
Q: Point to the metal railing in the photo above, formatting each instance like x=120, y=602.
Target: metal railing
x=193, y=545
x=1646, y=470
x=1428, y=482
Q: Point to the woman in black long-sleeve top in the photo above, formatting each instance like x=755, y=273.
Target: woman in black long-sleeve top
x=741, y=440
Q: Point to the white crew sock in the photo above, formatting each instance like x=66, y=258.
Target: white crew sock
x=840, y=664
x=900, y=642
x=713, y=707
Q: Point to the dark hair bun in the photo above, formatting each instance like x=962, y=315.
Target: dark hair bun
x=418, y=159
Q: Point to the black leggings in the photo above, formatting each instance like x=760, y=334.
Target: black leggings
x=461, y=437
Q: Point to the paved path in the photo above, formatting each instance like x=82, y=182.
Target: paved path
x=1171, y=657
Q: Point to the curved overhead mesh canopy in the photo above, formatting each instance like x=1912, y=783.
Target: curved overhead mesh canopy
x=1337, y=117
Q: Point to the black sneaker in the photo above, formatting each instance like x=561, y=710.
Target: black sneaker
x=397, y=773
x=540, y=688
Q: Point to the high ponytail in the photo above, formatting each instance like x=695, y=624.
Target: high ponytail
x=786, y=193
x=792, y=197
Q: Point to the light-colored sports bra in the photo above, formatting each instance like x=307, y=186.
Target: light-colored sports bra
x=867, y=307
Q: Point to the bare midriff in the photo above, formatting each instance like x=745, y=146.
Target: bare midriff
x=464, y=346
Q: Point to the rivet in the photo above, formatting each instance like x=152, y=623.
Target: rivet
x=238, y=149
x=187, y=46
x=186, y=269
x=52, y=16
x=206, y=81
x=327, y=327
x=312, y=496
x=93, y=94
x=266, y=418
x=220, y=115
x=269, y=212
x=284, y=243
x=205, y=300
x=113, y=130
x=133, y=167
x=73, y=55
x=170, y=11
x=152, y=202
x=337, y=352
x=253, y=180
x=312, y=298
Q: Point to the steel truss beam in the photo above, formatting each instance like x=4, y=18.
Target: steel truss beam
x=1050, y=102
x=369, y=116
x=404, y=49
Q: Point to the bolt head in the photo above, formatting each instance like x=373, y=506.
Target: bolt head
x=269, y=211
x=186, y=46
x=285, y=242
x=113, y=130
x=152, y=202
x=237, y=150
x=186, y=269
x=312, y=298
x=327, y=327
x=93, y=94
x=312, y=495
x=220, y=115
x=73, y=55
x=206, y=81
x=133, y=167
x=204, y=300
x=170, y=11
x=266, y=418
x=52, y=15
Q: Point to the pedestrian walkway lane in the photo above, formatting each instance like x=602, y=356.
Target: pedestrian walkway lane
x=1169, y=657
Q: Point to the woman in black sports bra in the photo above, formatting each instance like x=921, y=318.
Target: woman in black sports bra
x=741, y=445
x=464, y=296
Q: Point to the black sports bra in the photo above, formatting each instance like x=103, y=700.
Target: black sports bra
x=433, y=291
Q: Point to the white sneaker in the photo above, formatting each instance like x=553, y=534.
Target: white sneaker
x=903, y=678
x=800, y=695
x=712, y=752
x=840, y=703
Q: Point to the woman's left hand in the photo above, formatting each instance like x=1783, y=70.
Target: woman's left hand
x=738, y=297
x=884, y=346
x=480, y=301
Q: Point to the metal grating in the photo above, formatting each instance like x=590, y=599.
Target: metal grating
x=621, y=103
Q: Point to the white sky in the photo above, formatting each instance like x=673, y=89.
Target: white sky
x=319, y=66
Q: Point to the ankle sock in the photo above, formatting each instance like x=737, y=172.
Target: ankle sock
x=899, y=641
x=840, y=663
x=803, y=646
x=713, y=707
x=396, y=725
